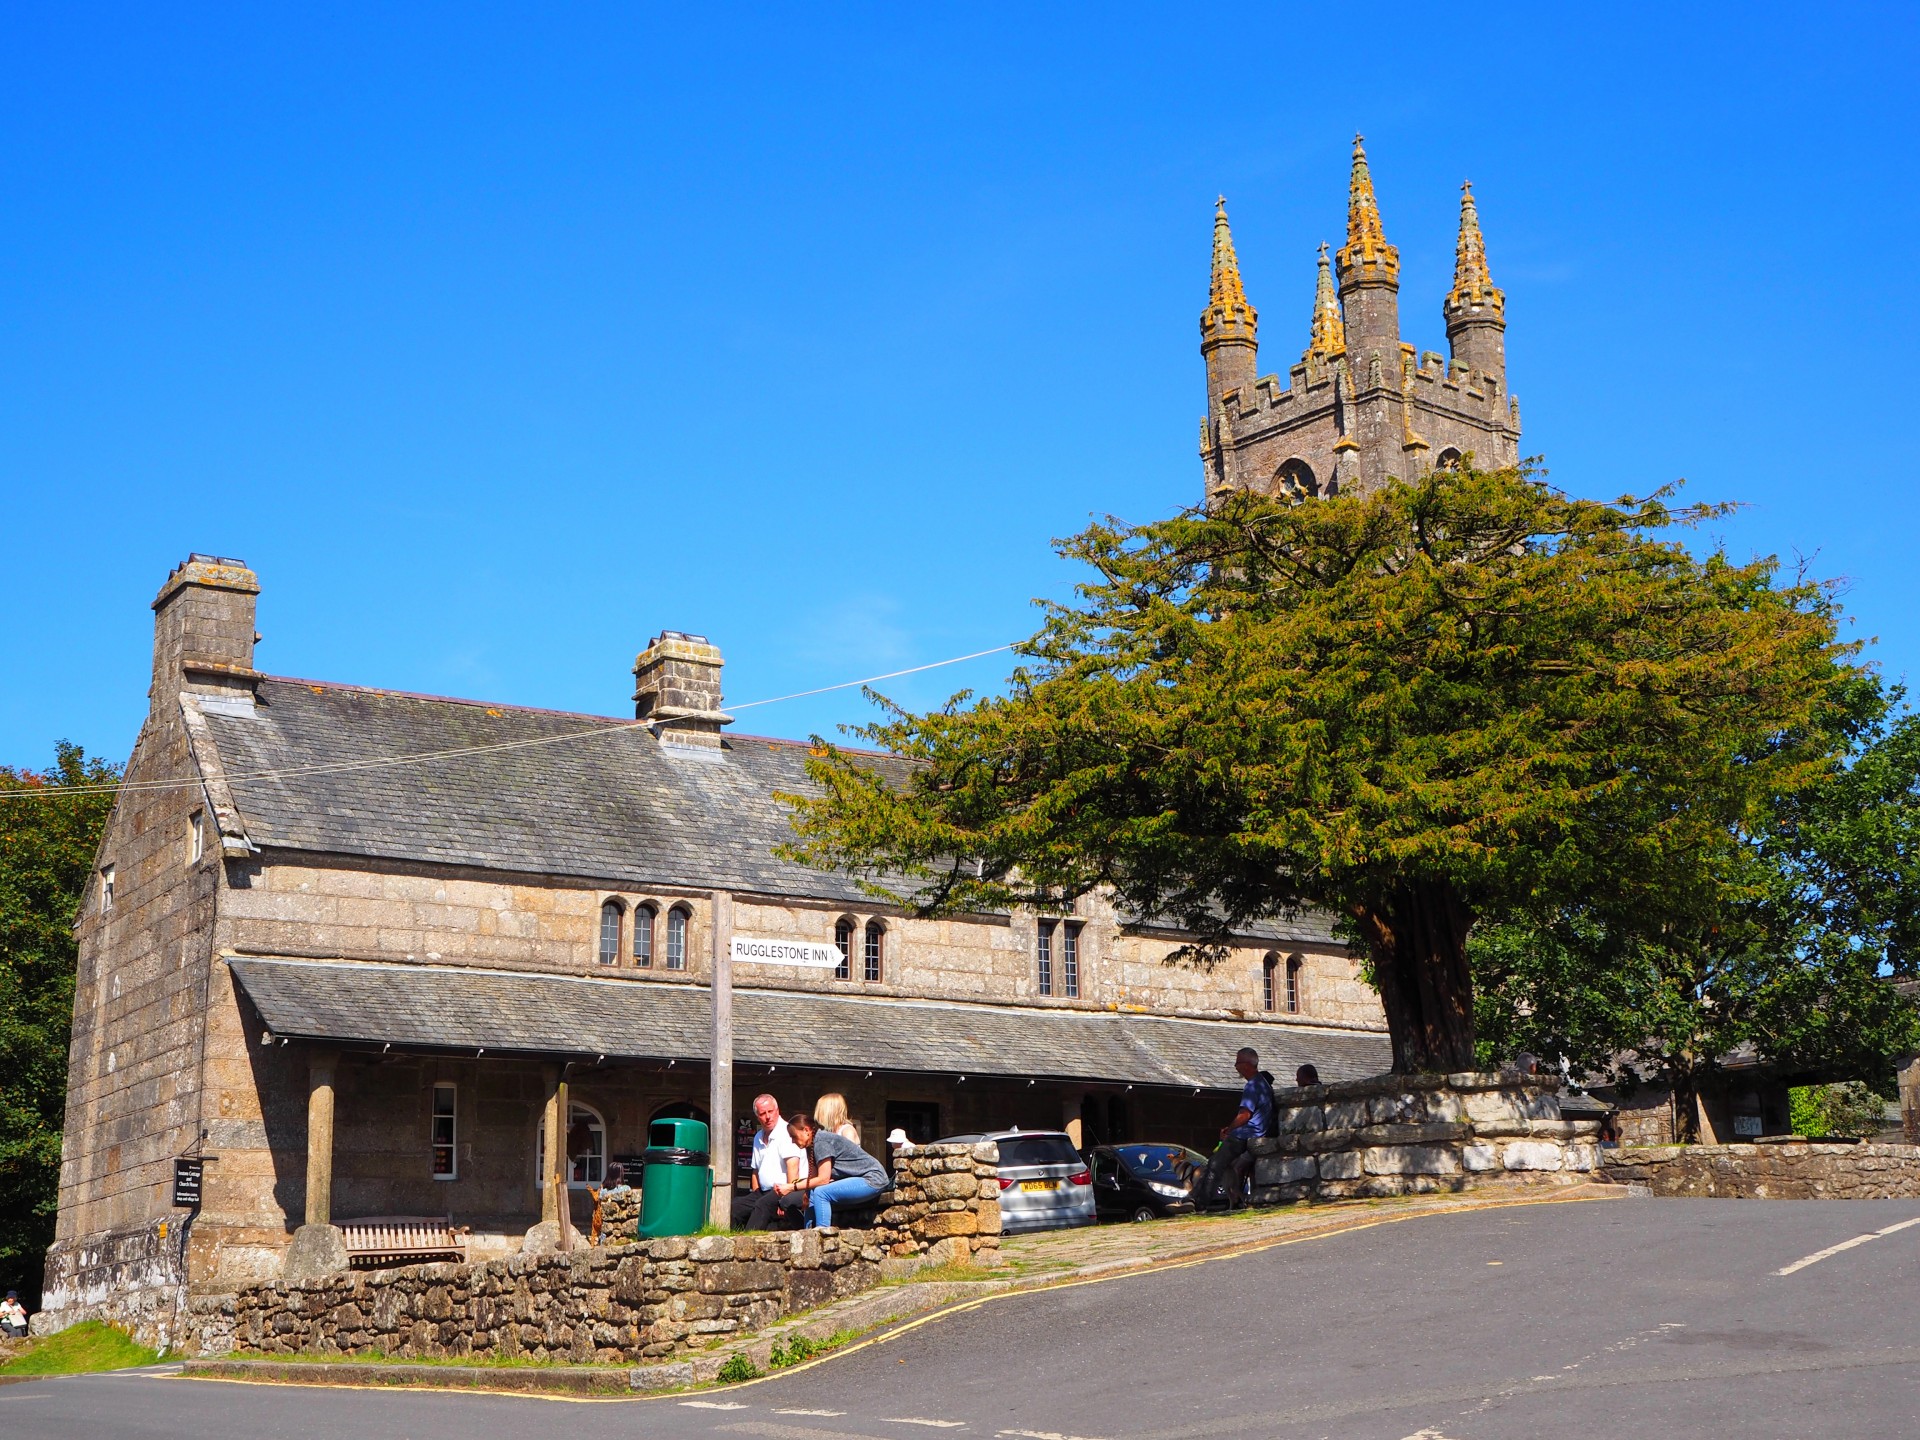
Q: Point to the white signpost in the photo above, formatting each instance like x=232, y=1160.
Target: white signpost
x=808, y=954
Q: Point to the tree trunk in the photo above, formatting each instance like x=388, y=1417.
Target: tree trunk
x=1686, y=1105
x=1417, y=936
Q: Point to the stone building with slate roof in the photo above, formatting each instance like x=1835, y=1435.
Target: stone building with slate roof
x=352, y=950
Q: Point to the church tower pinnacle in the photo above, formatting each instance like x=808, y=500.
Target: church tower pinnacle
x=1329, y=334
x=1369, y=283
x=1475, y=312
x=1229, y=325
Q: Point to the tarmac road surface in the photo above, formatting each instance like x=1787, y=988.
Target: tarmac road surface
x=1623, y=1317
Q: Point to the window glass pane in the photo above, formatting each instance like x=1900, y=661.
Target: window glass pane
x=875, y=939
x=1070, y=961
x=1266, y=983
x=643, y=935
x=1293, y=986
x=676, y=940
x=610, y=934
x=444, y=1163
x=1039, y=1150
x=843, y=938
x=1044, y=954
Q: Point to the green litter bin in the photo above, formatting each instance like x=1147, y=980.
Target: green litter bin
x=676, y=1182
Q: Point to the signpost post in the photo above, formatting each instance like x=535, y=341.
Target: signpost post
x=720, y=1083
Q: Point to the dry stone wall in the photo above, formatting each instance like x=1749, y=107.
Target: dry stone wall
x=627, y=1300
x=1808, y=1171
x=1417, y=1134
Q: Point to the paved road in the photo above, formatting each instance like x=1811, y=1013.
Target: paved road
x=1627, y=1317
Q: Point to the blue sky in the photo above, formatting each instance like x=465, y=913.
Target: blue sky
x=497, y=342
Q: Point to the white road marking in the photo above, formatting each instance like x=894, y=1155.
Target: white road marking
x=713, y=1405
x=809, y=1412
x=1832, y=1250
x=911, y=1420
x=1045, y=1435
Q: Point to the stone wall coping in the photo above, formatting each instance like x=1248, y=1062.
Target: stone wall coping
x=1654, y=1154
x=1377, y=1085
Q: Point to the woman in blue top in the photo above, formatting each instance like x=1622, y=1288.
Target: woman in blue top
x=842, y=1173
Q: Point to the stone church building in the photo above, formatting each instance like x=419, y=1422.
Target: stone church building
x=356, y=951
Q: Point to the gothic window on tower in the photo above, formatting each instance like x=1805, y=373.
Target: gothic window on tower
x=1295, y=481
x=1449, y=459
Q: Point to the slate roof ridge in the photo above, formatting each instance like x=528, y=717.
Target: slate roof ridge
x=848, y=997
x=614, y=720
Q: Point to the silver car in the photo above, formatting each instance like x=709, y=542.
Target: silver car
x=1044, y=1184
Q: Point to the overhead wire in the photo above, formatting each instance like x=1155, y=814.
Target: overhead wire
x=379, y=762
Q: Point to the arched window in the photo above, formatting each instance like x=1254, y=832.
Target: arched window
x=643, y=918
x=1448, y=459
x=1296, y=997
x=875, y=949
x=676, y=939
x=610, y=933
x=1295, y=480
x=1267, y=967
x=843, y=941
x=1070, y=960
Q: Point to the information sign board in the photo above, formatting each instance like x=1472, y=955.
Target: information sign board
x=809, y=954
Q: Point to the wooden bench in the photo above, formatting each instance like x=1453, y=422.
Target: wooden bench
x=381, y=1240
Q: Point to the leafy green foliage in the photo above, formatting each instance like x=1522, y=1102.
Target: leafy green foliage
x=1781, y=948
x=793, y=1351
x=1441, y=700
x=80, y=1350
x=46, y=859
x=1846, y=1112
x=737, y=1368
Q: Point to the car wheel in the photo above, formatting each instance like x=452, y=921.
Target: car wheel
x=1144, y=1212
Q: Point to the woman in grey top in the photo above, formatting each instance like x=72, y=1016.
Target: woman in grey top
x=842, y=1173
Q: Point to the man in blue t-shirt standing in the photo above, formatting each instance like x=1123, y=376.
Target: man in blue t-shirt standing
x=1252, y=1120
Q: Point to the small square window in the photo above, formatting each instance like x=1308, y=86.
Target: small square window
x=446, y=1163
x=196, y=836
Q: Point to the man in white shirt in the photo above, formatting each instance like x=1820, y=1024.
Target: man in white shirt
x=778, y=1166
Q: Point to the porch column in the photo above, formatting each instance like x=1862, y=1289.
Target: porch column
x=554, y=1139
x=320, y=1073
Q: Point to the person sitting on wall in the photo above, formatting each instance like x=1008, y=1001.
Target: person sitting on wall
x=830, y=1113
x=776, y=1181
x=843, y=1173
x=1306, y=1075
x=13, y=1317
x=1221, y=1184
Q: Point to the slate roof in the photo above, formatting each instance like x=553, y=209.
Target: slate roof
x=513, y=1012
x=618, y=808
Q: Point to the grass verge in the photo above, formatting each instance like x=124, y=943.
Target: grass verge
x=81, y=1350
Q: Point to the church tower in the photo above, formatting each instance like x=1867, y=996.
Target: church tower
x=1362, y=404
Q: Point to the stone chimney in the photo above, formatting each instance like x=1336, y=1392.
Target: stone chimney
x=203, y=633
x=677, y=687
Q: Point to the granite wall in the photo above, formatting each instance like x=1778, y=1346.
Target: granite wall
x=1780, y=1171
x=626, y=1300
x=1417, y=1134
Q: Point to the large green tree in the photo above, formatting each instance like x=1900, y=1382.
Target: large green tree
x=1413, y=707
x=1781, y=949
x=47, y=846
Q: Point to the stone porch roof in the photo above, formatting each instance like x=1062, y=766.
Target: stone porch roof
x=615, y=807
x=436, y=1007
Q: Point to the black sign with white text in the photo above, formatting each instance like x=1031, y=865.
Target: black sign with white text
x=186, y=1182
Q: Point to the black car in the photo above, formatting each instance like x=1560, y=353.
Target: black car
x=1143, y=1181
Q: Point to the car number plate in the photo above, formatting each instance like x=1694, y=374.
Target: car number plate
x=1039, y=1184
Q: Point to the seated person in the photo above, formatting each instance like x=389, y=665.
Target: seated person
x=13, y=1317
x=779, y=1166
x=1253, y=1120
x=843, y=1173
x=1306, y=1075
